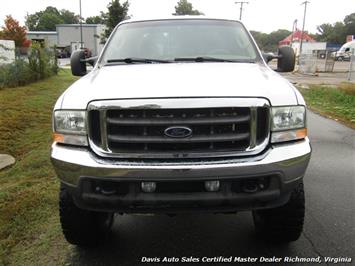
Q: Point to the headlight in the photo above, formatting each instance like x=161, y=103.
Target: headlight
x=70, y=127
x=288, y=123
x=290, y=117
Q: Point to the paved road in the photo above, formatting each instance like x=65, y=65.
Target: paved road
x=329, y=225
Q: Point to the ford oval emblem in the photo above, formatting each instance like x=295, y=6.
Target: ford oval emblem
x=178, y=132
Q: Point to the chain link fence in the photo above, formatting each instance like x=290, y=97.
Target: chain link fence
x=329, y=61
x=351, y=76
x=307, y=64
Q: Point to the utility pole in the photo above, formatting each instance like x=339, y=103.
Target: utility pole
x=304, y=22
x=241, y=8
x=294, y=28
x=81, y=27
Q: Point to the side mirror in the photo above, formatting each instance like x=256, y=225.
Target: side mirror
x=268, y=57
x=78, y=63
x=347, y=49
x=286, y=59
x=92, y=60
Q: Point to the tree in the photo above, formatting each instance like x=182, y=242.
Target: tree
x=349, y=23
x=270, y=42
x=260, y=38
x=69, y=17
x=185, y=8
x=95, y=20
x=331, y=33
x=47, y=19
x=337, y=32
x=116, y=13
x=275, y=37
x=13, y=31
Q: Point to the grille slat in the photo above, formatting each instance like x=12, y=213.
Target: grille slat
x=140, y=133
x=198, y=139
x=178, y=121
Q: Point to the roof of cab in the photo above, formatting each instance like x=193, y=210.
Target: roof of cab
x=172, y=17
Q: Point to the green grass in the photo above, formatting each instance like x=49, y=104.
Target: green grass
x=337, y=103
x=29, y=225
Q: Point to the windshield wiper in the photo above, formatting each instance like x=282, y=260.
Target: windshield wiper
x=211, y=59
x=132, y=60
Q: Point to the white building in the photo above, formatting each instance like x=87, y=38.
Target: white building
x=49, y=38
x=69, y=35
x=7, y=52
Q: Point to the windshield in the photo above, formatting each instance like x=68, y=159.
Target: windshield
x=181, y=39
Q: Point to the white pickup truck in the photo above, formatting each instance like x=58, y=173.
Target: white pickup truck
x=180, y=114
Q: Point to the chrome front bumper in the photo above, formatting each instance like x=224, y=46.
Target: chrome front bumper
x=283, y=164
x=288, y=160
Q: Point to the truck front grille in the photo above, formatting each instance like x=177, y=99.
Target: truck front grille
x=141, y=132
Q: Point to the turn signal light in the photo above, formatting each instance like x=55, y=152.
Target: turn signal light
x=301, y=133
x=58, y=137
x=288, y=135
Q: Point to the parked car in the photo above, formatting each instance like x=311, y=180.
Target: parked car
x=180, y=115
x=62, y=53
x=345, y=51
x=87, y=52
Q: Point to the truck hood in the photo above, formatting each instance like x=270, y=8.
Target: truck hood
x=179, y=80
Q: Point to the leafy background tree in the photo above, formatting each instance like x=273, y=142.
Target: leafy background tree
x=184, y=7
x=13, y=31
x=270, y=42
x=337, y=32
x=95, y=20
x=117, y=12
x=69, y=17
x=331, y=33
x=47, y=19
x=349, y=23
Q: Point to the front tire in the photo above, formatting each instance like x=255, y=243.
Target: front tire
x=285, y=223
x=82, y=227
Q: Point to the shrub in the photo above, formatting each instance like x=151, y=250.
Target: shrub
x=39, y=63
x=15, y=74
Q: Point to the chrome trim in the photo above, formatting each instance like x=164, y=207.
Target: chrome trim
x=103, y=131
x=253, y=120
x=174, y=103
x=178, y=103
x=289, y=159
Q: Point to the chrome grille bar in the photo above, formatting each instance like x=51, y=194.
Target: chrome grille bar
x=103, y=129
x=253, y=126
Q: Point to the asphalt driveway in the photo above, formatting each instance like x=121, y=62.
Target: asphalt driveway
x=329, y=226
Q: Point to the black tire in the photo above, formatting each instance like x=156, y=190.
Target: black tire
x=285, y=223
x=82, y=227
x=287, y=59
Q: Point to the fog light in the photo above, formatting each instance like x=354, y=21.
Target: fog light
x=212, y=186
x=149, y=187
